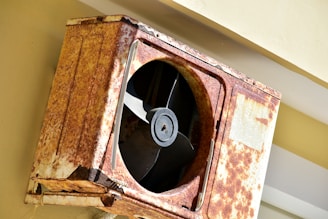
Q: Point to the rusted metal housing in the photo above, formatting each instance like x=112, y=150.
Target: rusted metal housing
x=78, y=162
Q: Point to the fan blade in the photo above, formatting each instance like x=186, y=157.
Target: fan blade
x=136, y=106
x=139, y=152
x=169, y=164
x=181, y=101
x=174, y=87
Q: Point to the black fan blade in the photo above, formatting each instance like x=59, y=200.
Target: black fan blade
x=181, y=102
x=160, y=111
x=173, y=89
x=169, y=164
x=136, y=105
x=140, y=152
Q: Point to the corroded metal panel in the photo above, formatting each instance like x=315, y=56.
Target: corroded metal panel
x=78, y=162
x=244, y=154
x=83, y=99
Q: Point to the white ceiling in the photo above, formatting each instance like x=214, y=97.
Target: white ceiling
x=297, y=91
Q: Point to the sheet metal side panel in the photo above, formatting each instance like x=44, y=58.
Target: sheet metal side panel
x=81, y=105
x=241, y=169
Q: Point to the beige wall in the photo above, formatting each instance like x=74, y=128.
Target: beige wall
x=30, y=41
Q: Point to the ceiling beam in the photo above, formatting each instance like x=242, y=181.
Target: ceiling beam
x=303, y=193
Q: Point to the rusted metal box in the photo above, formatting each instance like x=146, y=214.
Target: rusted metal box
x=118, y=82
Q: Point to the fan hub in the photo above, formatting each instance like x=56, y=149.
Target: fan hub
x=163, y=126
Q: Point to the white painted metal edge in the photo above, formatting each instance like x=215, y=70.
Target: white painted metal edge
x=291, y=204
x=296, y=185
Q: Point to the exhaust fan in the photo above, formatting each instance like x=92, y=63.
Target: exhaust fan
x=141, y=125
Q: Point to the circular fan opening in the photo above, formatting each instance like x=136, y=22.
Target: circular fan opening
x=160, y=118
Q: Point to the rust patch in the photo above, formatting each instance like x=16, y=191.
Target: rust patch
x=234, y=196
x=263, y=120
x=108, y=201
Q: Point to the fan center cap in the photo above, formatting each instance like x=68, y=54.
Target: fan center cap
x=163, y=126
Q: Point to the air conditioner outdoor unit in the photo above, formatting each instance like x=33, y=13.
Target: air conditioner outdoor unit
x=141, y=125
